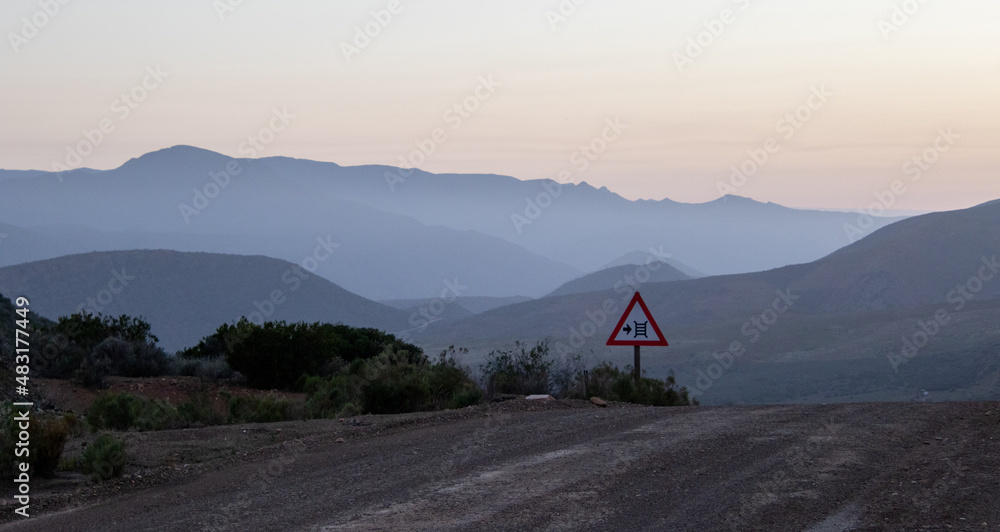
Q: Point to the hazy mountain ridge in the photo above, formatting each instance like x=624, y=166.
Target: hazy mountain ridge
x=618, y=276
x=148, y=202
x=586, y=226
x=915, y=262
x=186, y=296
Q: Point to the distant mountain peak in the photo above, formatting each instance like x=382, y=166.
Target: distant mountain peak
x=740, y=199
x=181, y=154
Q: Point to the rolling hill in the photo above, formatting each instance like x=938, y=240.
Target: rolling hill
x=186, y=296
x=618, y=277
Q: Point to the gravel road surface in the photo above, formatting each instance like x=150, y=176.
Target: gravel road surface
x=572, y=466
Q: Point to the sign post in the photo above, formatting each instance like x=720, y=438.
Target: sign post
x=637, y=328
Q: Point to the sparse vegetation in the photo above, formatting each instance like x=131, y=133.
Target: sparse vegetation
x=523, y=370
x=259, y=410
x=609, y=382
x=104, y=458
x=393, y=382
x=48, y=439
x=123, y=411
x=519, y=370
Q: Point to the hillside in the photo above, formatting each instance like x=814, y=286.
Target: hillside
x=186, y=296
x=620, y=277
x=850, y=311
x=915, y=262
x=643, y=257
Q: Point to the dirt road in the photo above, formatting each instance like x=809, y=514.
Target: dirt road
x=802, y=468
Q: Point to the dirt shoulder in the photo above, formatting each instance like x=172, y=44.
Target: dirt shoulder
x=559, y=466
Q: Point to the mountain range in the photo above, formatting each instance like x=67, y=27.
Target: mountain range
x=394, y=239
x=760, y=303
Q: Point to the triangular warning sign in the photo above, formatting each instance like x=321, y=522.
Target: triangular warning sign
x=637, y=326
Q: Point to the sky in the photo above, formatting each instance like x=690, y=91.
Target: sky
x=836, y=104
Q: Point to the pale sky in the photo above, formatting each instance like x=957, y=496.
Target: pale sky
x=558, y=82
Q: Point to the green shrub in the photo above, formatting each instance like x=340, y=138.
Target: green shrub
x=611, y=383
x=209, y=369
x=391, y=383
x=88, y=348
x=200, y=410
x=327, y=397
x=123, y=411
x=519, y=370
x=275, y=355
x=48, y=438
x=467, y=397
x=349, y=410
x=104, y=458
x=48, y=435
x=258, y=410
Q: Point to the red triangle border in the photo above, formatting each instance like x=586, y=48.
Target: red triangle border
x=628, y=310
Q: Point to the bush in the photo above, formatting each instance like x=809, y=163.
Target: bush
x=123, y=411
x=209, y=369
x=391, y=383
x=105, y=458
x=89, y=348
x=276, y=355
x=48, y=438
x=200, y=411
x=258, y=410
x=328, y=397
x=613, y=384
x=519, y=370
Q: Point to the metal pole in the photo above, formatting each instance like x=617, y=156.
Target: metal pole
x=638, y=370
